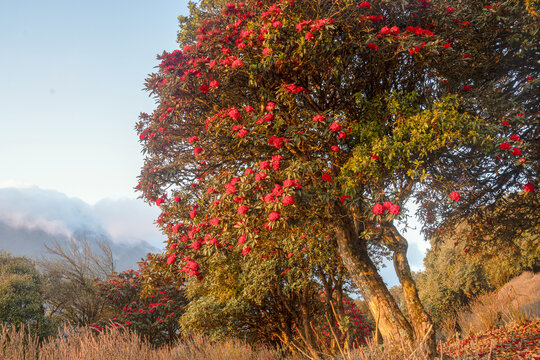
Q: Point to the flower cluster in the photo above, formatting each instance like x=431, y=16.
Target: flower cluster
x=379, y=209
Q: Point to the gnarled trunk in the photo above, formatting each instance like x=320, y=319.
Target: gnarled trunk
x=419, y=318
x=390, y=321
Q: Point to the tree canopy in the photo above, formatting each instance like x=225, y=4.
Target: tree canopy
x=303, y=128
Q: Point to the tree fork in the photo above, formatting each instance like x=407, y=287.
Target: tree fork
x=391, y=322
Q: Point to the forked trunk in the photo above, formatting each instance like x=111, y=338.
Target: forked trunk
x=388, y=317
x=419, y=318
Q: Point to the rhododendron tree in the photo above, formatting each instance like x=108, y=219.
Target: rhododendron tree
x=328, y=116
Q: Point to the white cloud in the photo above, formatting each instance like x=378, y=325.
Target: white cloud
x=123, y=221
x=17, y=184
x=23, y=220
x=129, y=220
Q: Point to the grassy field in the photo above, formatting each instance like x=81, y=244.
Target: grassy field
x=499, y=325
x=510, y=342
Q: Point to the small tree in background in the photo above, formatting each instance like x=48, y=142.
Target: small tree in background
x=21, y=296
x=153, y=315
x=70, y=275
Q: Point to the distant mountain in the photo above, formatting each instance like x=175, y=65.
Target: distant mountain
x=32, y=218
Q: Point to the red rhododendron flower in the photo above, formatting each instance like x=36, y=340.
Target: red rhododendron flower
x=372, y=46
x=515, y=137
x=249, y=109
x=374, y=156
x=364, y=4
x=516, y=151
x=342, y=135
x=386, y=205
x=528, y=187
x=290, y=255
x=234, y=114
x=192, y=265
x=414, y=50
x=335, y=148
x=269, y=198
x=177, y=198
x=160, y=201
x=171, y=259
x=466, y=88
x=335, y=127
x=270, y=106
x=196, y=245
x=214, y=221
x=276, y=142
x=246, y=250
x=343, y=198
x=309, y=36
x=242, y=209
x=326, y=177
x=197, y=151
x=287, y=200
x=214, y=83
x=504, y=146
x=319, y=118
x=261, y=176
x=377, y=209
x=204, y=88
x=455, y=196
x=193, y=139
x=266, y=51
x=241, y=133
x=230, y=189
x=264, y=165
x=450, y=9
x=274, y=216
x=394, y=209
x=192, y=213
x=242, y=239
x=175, y=228
x=237, y=63
x=385, y=30
x=447, y=45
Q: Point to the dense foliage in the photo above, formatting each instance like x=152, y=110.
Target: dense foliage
x=153, y=316
x=21, y=295
x=456, y=272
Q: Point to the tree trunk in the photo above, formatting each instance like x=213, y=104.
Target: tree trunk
x=306, y=325
x=390, y=321
x=419, y=318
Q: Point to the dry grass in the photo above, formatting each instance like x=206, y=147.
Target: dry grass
x=79, y=344
x=516, y=302
x=114, y=343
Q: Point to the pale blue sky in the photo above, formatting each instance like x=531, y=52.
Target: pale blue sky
x=71, y=74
